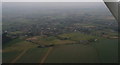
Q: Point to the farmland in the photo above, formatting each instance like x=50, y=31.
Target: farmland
x=65, y=52
x=42, y=33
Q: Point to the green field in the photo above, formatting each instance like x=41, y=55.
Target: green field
x=58, y=33
x=7, y=57
x=102, y=51
x=76, y=53
x=33, y=55
x=108, y=50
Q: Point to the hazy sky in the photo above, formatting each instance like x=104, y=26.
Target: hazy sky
x=52, y=0
x=57, y=0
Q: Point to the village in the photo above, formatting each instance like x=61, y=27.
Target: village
x=46, y=31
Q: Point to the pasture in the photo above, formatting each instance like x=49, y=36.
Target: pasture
x=102, y=51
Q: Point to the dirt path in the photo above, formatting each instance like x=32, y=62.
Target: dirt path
x=19, y=56
x=46, y=55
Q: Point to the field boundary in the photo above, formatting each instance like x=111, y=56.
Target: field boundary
x=19, y=56
x=46, y=55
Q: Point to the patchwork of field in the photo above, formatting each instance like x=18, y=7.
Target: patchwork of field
x=33, y=55
x=58, y=33
x=104, y=50
x=108, y=50
x=77, y=53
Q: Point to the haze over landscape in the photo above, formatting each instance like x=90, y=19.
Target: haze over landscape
x=84, y=32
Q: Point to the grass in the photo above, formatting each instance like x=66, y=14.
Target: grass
x=108, y=50
x=33, y=55
x=11, y=43
x=19, y=46
x=104, y=50
x=77, y=53
x=62, y=42
x=16, y=32
x=52, y=40
x=77, y=36
x=7, y=57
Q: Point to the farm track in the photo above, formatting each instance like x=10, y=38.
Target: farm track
x=46, y=55
x=19, y=56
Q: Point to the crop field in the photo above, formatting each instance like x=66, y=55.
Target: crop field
x=59, y=33
x=33, y=55
x=73, y=53
x=108, y=50
x=9, y=56
x=76, y=53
